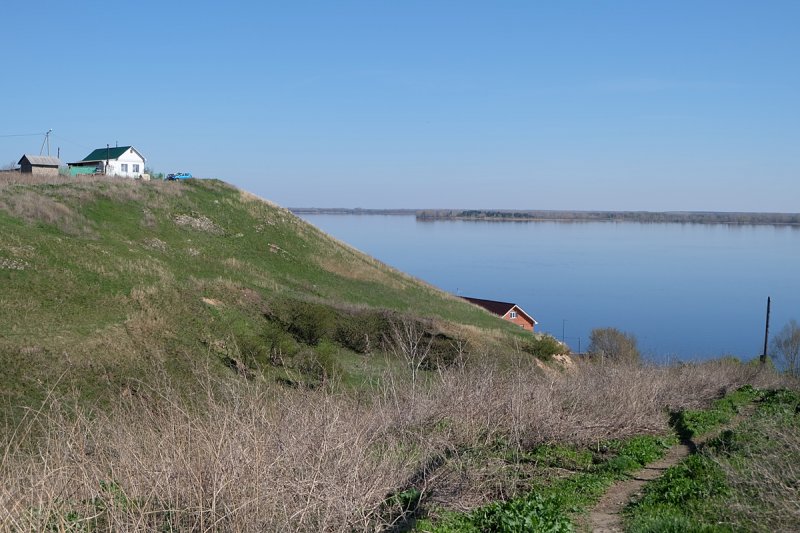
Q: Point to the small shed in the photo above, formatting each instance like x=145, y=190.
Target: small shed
x=39, y=165
x=507, y=311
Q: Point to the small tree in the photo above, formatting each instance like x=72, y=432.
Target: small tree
x=613, y=344
x=786, y=346
x=409, y=341
x=153, y=174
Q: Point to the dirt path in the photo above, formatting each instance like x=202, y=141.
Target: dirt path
x=606, y=516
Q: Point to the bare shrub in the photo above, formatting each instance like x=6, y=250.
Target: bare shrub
x=786, y=346
x=258, y=461
x=250, y=456
x=409, y=341
x=613, y=343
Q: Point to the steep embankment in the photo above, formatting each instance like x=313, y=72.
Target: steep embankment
x=104, y=280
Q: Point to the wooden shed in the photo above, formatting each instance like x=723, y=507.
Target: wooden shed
x=39, y=165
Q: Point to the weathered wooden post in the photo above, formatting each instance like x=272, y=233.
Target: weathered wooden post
x=766, y=335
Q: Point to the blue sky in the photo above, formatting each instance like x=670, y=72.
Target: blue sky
x=508, y=104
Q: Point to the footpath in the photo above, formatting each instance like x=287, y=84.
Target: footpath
x=606, y=515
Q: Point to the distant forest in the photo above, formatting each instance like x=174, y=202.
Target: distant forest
x=693, y=217
x=682, y=217
x=350, y=211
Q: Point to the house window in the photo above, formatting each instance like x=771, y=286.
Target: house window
x=513, y=314
x=136, y=167
x=124, y=167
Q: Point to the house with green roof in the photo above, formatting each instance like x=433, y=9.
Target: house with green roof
x=123, y=161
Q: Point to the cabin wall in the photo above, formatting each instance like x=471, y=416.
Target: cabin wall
x=519, y=320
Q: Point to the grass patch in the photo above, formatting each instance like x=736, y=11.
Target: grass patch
x=742, y=480
x=683, y=499
x=693, y=423
x=552, y=502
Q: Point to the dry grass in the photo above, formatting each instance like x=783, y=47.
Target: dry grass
x=764, y=476
x=20, y=178
x=58, y=206
x=250, y=456
x=357, y=268
x=32, y=207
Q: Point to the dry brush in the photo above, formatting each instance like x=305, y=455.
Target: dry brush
x=252, y=456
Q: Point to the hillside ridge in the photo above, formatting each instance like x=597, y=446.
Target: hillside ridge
x=106, y=280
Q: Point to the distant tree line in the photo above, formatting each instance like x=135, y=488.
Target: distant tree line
x=349, y=211
x=693, y=217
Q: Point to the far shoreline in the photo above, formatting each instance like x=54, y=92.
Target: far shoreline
x=508, y=215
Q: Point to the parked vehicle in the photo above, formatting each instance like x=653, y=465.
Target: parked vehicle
x=179, y=176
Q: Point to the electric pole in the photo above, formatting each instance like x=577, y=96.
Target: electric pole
x=766, y=335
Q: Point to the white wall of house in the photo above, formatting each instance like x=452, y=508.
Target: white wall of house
x=128, y=165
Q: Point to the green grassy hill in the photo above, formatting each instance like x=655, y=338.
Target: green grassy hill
x=105, y=283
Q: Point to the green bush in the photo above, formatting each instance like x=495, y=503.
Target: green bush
x=362, y=331
x=543, y=348
x=279, y=342
x=319, y=365
x=444, y=351
x=308, y=322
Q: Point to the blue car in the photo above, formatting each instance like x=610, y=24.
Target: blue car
x=179, y=176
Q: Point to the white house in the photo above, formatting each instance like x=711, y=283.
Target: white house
x=124, y=161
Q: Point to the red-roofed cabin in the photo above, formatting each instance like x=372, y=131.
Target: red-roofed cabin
x=507, y=311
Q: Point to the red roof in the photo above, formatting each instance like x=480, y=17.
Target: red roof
x=497, y=308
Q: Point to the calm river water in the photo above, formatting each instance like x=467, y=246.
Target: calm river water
x=686, y=291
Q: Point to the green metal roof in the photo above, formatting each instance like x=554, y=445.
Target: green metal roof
x=101, y=154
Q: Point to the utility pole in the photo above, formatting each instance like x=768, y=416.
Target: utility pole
x=105, y=171
x=766, y=335
x=46, y=142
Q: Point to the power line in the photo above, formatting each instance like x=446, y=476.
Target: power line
x=72, y=142
x=23, y=135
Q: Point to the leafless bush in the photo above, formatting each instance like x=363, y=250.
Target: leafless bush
x=258, y=461
x=786, y=345
x=611, y=343
x=250, y=456
x=408, y=341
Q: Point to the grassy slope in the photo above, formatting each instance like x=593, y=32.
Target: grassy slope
x=744, y=479
x=102, y=281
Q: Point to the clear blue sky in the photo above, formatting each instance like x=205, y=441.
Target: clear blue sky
x=519, y=104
